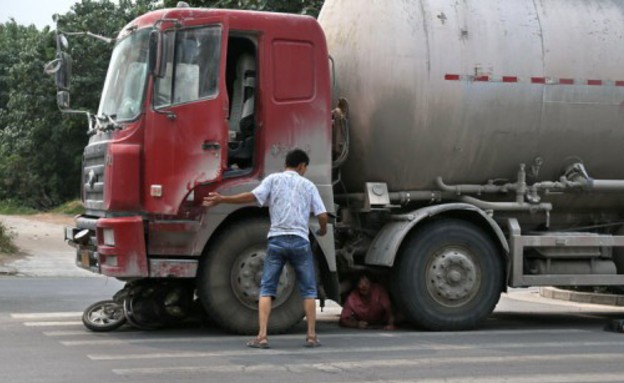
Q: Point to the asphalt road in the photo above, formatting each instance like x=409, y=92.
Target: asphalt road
x=527, y=339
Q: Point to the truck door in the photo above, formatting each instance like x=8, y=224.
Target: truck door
x=186, y=132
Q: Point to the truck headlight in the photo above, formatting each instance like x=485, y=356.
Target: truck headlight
x=109, y=237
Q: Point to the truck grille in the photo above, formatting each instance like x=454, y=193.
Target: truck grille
x=94, y=161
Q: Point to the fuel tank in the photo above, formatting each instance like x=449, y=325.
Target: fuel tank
x=467, y=90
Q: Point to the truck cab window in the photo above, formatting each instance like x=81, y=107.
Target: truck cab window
x=191, y=60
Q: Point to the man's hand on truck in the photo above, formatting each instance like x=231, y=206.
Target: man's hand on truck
x=323, y=219
x=215, y=198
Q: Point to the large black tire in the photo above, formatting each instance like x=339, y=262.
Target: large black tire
x=449, y=276
x=103, y=316
x=229, y=277
x=141, y=309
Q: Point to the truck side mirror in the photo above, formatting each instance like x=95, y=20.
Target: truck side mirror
x=155, y=54
x=63, y=74
x=60, y=67
x=61, y=42
x=62, y=99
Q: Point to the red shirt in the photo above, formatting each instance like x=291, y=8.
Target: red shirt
x=374, y=308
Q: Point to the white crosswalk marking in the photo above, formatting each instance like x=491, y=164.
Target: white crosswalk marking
x=62, y=333
x=412, y=354
x=46, y=319
x=46, y=315
x=52, y=323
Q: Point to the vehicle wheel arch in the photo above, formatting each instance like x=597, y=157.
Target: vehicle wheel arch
x=328, y=279
x=219, y=223
x=383, y=251
x=483, y=222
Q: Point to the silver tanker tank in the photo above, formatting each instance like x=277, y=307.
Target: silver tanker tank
x=468, y=90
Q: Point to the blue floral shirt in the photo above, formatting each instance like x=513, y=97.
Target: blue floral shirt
x=290, y=198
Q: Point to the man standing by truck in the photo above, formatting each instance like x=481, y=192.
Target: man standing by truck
x=290, y=198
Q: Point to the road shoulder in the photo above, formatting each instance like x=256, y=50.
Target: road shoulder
x=582, y=297
x=42, y=248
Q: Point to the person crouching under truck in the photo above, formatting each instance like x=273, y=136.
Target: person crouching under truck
x=290, y=199
x=367, y=306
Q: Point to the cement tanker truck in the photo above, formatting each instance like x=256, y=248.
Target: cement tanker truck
x=475, y=145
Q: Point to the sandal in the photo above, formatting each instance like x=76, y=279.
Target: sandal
x=258, y=342
x=312, y=341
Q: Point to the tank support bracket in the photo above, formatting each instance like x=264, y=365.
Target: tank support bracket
x=519, y=242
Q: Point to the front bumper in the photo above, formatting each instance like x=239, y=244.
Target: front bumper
x=114, y=247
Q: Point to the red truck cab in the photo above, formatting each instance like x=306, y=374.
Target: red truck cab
x=197, y=100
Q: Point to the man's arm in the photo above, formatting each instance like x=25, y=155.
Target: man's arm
x=323, y=218
x=215, y=198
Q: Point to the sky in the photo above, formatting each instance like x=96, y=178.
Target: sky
x=38, y=12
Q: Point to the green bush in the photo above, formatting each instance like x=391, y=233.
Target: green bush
x=70, y=208
x=12, y=207
x=6, y=240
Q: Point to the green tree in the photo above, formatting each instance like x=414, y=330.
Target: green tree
x=41, y=148
x=26, y=112
x=90, y=57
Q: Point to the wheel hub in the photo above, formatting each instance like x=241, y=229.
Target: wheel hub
x=247, y=274
x=100, y=317
x=452, y=277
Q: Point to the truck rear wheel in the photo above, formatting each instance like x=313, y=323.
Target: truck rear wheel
x=229, y=281
x=449, y=276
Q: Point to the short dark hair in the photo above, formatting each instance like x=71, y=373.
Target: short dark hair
x=365, y=275
x=296, y=157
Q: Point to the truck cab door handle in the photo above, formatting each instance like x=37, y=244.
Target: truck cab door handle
x=211, y=145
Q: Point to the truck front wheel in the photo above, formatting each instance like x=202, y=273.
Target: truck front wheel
x=229, y=279
x=449, y=276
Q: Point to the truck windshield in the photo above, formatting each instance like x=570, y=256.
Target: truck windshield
x=124, y=88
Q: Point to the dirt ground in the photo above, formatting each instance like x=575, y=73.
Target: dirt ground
x=57, y=219
x=41, y=244
x=6, y=258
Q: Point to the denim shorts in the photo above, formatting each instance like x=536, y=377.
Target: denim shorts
x=296, y=251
